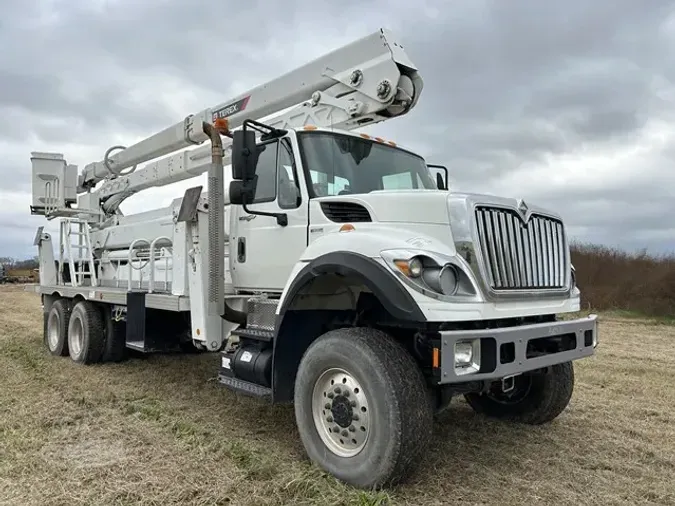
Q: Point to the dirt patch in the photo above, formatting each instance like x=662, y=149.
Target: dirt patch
x=85, y=454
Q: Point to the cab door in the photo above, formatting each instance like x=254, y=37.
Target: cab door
x=263, y=252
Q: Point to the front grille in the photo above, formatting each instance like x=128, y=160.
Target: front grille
x=519, y=256
x=343, y=212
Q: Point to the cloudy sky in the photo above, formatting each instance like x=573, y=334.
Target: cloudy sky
x=567, y=104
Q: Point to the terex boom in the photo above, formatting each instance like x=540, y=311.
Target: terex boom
x=337, y=272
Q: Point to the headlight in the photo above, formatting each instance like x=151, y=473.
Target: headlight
x=463, y=353
x=430, y=273
x=467, y=357
x=443, y=280
x=416, y=267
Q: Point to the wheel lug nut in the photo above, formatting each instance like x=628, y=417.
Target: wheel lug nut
x=355, y=416
x=352, y=404
x=336, y=429
x=345, y=433
x=329, y=419
x=346, y=393
x=327, y=405
x=330, y=395
x=352, y=428
x=337, y=390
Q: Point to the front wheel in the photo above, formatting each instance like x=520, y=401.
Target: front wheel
x=536, y=398
x=361, y=406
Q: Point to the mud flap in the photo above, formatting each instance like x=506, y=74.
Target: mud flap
x=136, y=321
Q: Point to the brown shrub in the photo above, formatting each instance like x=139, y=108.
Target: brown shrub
x=611, y=279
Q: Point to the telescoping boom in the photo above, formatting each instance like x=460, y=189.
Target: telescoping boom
x=362, y=83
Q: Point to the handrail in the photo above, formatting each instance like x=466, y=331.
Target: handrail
x=151, y=283
x=131, y=266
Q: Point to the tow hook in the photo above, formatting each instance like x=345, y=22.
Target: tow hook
x=508, y=383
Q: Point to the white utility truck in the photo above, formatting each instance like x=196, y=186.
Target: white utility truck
x=337, y=272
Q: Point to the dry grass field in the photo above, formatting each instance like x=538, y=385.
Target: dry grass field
x=160, y=431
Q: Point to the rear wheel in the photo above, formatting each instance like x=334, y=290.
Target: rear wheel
x=361, y=407
x=86, y=337
x=536, y=397
x=56, y=329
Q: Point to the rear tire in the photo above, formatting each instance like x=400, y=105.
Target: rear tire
x=537, y=398
x=56, y=328
x=86, y=337
x=361, y=407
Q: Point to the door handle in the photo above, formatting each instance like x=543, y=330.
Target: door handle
x=241, y=250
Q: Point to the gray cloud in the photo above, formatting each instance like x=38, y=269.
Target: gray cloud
x=524, y=98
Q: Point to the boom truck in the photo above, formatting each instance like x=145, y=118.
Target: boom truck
x=337, y=273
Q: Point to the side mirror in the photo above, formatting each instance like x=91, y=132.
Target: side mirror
x=440, y=184
x=245, y=154
x=441, y=175
x=242, y=192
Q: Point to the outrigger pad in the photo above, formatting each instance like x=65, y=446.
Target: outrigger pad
x=188, y=207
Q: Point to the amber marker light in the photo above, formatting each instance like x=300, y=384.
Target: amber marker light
x=222, y=125
x=411, y=268
x=347, y=227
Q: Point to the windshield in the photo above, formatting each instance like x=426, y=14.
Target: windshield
x=341, y=164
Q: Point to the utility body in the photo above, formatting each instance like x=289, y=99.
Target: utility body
x=337, y=271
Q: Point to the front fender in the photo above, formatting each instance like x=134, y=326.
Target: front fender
x=390, y=292
x=295, y=330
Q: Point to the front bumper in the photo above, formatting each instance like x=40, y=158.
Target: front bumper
x=503, y=352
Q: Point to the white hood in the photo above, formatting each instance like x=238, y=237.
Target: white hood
x=404, y=206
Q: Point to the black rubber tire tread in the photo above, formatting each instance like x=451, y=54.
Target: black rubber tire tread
x=63, y=308
x=549, y=396
x=115, y=339
x=93, y=341
x=397, y=390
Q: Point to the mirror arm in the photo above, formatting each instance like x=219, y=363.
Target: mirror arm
x=447, y=175
x=282, y=218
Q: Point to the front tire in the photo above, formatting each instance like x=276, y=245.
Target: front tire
x=537, y=397
x=361, y=407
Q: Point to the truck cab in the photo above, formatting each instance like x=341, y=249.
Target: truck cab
x=320, y=180
x=341, y=191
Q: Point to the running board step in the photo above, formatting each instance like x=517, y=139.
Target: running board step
x=254, y=334
x=245, y=387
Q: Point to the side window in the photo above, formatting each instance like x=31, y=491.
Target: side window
x=266, y=170
x=324, y=188
x=339, y=184
x=289, y=194
x=402, y=181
